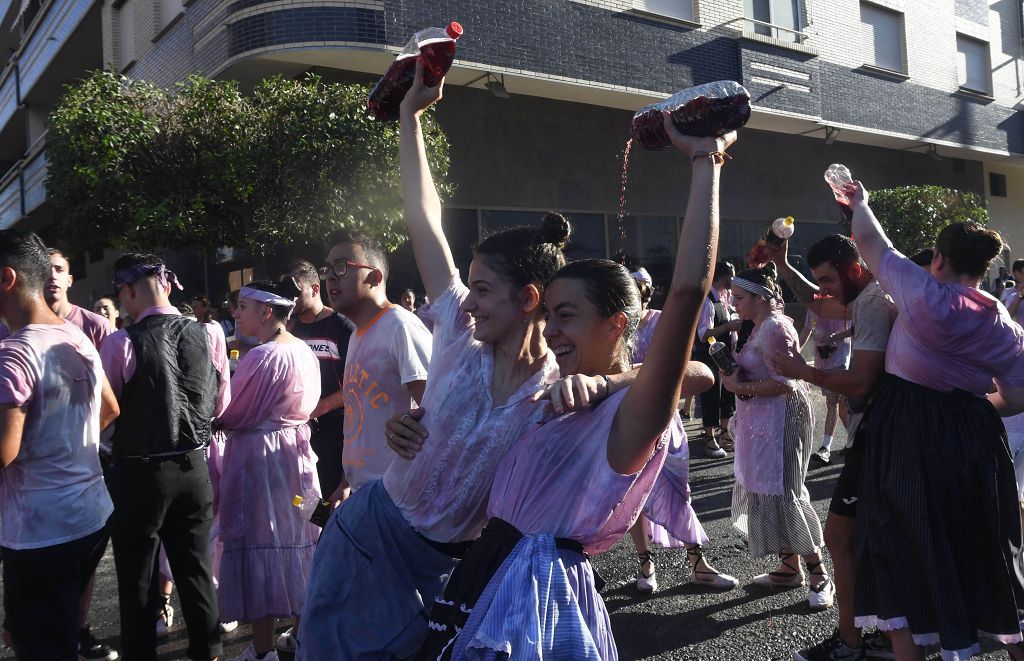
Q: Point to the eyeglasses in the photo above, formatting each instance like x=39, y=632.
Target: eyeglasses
x=341, y=268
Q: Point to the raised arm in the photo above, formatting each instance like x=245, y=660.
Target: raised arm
x=649, y=405
x=867, y=231
x=805, y=291
x=422, y=205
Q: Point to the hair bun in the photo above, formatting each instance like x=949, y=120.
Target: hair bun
x=555, y=229
x=771, y=269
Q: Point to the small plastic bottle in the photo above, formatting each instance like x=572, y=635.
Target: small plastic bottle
x=723, y=358
x=233, y=360
x=435, y=47
x=781, y=230
x=838, y=176
x=317, y=511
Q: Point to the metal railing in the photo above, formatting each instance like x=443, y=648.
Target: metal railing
x=780, y=32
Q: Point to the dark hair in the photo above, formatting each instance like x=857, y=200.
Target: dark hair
x=528, y=255
x=372, y=249
x=767, y=276
x=186, y=310
x=723, y=269
x=646, y=292
x=304, y=272
x=1018, y=265
x=923, y=257
x=25, y=253
x=133, y=259
x=610, y=288
x=285, y=288
x=50, y=252
x=969, y=247
x=838, y=250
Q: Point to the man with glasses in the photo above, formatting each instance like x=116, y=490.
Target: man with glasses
x=386, y=361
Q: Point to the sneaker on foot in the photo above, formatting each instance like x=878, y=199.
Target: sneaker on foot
x=250, y=655
x=830, y=649
x=164, y=622
x=823, y=455
x=822, y=595
x=228, y=627
x=286, y=641
x=646, y=584
x=90, y=649
x=877, y=646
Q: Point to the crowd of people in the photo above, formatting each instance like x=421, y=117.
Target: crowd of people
x=402, y=483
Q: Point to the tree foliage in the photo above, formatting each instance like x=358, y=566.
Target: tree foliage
x=913, y=216
x=202, y=165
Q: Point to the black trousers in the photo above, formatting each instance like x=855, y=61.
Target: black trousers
x=326, y=439
x=42, y=591
x=716, y=403
x=167, y=501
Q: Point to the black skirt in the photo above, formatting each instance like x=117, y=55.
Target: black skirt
x=450, y=611
x=938, y=520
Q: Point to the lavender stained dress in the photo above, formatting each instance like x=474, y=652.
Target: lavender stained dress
x=556, y=483
x=268, y=543
x=773, y=448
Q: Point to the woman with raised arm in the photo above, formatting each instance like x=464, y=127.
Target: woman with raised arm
x=774, y=441
x=939, y=558
x=576, y=484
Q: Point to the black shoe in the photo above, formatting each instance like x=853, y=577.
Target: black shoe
x=877, y=646
x=90, y=649
x=831, y=649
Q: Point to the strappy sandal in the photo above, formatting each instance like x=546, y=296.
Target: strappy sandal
x=823, y=594
x=726, y=441
x=712, y=449
x=714, y=579
x=646, y=583
x=781, y=579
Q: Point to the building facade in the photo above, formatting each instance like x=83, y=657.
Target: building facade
x=901, y=91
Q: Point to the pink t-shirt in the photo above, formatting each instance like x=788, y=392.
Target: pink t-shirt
x=644, y=334
x=118, y=357
x=443, y=491
x=946, y=335
x=95, y=327
x=276, y=385
x=556, y=479
x=390, y=351
x=53, y=491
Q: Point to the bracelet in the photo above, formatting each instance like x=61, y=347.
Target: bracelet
x=717, y=157
x=607, y=386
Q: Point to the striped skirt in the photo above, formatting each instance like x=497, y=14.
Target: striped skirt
x=938, y=520
x=785, y=523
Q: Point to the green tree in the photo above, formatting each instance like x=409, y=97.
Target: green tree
x=913, y=216
x=202, y=165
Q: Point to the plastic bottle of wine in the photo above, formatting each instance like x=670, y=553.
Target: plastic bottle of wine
x=779, y=231
x=723, y=358
x=838, y=176
x=435, y=47
x=712, y=109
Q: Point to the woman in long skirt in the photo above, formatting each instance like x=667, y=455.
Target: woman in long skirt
x=938, y=522
x=268, y=542
x=774, y=441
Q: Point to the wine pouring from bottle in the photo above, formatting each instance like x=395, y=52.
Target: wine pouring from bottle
x=838, y=177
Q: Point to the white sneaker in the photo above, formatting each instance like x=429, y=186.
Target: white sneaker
x=250, y=655
x=823, y=455
x=822, y=596
x=646, y=584
x=164, y=622
x=286, y=641
x=228, y=627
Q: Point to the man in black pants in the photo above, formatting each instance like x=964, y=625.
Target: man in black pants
x=160, y=367
x=717, y=405
x=326, y=332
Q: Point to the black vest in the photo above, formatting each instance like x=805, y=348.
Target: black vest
x=168, y=403
x=720, y=317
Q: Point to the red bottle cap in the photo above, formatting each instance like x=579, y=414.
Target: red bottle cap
x=454, y=30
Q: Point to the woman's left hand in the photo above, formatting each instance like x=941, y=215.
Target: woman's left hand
x=573, y=393
x=731, y=382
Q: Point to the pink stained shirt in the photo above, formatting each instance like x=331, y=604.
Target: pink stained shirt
x=118, y=357
x=948, y=336
x=95, y=327
x=644, y=334
x=442, y=493
x=556, y=479
x=276, y=385
x=53, y=491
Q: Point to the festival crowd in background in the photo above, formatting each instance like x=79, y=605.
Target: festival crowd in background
x=431, y=483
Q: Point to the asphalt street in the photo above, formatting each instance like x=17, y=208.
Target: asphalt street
x=680, y=621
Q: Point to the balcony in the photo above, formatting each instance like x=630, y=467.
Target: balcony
x=23, y=187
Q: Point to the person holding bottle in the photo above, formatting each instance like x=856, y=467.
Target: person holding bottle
x=717, y=404
x=938, y=557
x=267, y=542
x=774, y=428
x=831, y=338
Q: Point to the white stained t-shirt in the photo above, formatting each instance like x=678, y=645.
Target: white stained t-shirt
x=53, y=491
x=872, y=314
x=388, y=352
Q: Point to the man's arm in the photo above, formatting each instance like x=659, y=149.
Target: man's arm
x=109, y=408
x=857, y=382
x=329, y=403
x=805, y=291
x=12, y=420
x=416, y=389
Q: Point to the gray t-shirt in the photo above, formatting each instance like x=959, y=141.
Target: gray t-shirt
x=873, y=314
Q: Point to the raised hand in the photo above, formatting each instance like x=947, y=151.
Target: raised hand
x=420, y=97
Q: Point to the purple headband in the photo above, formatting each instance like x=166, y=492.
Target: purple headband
x=129, y=276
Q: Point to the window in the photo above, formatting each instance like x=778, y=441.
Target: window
x=169, y=10
x=773, y=18
x=648, y=241
x=126, y=34
x=883, y=35
x=680, y=9
x=972, y=64
x=996, y=184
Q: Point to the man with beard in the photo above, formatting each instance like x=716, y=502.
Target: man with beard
x=844, y=286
